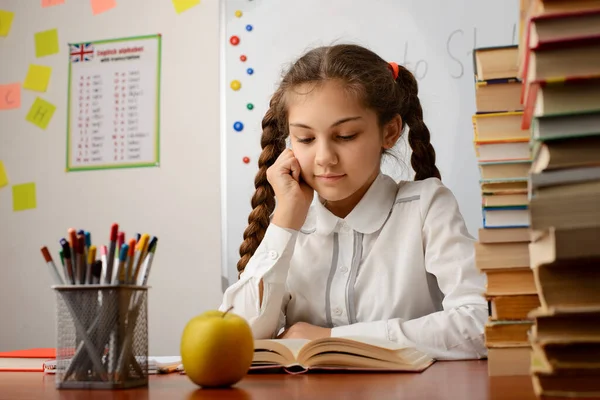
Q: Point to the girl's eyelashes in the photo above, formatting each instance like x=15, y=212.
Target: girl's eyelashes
x=305, y=140
x=345, y=138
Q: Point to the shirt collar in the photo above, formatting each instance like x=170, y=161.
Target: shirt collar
x=367, y=217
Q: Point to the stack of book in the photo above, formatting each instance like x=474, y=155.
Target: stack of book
x=559, y=63
x=502, y=253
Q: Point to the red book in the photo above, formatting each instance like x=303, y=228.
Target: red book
x=26, y=360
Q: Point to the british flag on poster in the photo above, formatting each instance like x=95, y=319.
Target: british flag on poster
x=81, y=52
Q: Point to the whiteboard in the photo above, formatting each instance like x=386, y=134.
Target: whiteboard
x=433, y=39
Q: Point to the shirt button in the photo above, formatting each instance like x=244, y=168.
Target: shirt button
x=337, y=311
x=273, y=254
x=344, y=270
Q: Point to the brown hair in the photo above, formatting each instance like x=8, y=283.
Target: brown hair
x=365, y=75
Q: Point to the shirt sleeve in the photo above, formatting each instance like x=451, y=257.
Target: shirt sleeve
x=271, y=263
x=457, y=332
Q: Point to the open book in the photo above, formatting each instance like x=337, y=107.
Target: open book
x=350, y=353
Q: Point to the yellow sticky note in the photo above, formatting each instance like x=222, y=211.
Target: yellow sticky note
x=40, y=113
x=3, y=175
x=24, y=196
x=6, y=19
x=50, y=3
x=184, y=5
x=100, y=6
x=10, y=96
x=37, y=77
x=46, y=43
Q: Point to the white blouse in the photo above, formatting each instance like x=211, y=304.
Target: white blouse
x=399, y=267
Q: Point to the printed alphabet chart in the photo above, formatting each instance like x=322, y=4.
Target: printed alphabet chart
x=114, y=97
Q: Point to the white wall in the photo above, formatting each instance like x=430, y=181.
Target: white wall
x=179, y=201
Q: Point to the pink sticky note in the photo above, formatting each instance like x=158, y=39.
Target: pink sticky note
x=50, y=3
x=100, y=6
x=10, y=96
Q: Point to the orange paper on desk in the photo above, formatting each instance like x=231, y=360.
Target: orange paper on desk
x=336, y=353
x=26, y=360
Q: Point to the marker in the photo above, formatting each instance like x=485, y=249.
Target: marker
x=68, y=264
x=88, y=240
x=53, y=271
x=111, y=252
x=72, y=241
x=130, y=256
x=103, y=259
x=121, y=273
x=96, y=272
x=80, y=259
x=148, y=261
x=91, y=257
x=140, y=253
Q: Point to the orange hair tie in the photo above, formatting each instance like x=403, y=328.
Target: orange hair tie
x=395, y=69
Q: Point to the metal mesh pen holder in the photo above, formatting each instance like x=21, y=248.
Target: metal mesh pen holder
x=102, y=337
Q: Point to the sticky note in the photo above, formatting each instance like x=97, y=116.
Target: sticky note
x=40, y=113
x=24, y=196
x=10, y=96
x=6, y=19
x=37, y=77
x=184, y=5
x=100, y=6
x=46, y=43
x=3, y=175
x=50, y=3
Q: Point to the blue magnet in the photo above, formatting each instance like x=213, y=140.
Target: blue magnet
x=248, y=27
x=250, y=71
x=238, y=126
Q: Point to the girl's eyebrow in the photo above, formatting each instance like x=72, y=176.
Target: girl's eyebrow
x=336, y=123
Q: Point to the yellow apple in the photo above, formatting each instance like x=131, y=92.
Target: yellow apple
x=217, y=348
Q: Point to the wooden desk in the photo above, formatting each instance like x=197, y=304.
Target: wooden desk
x=456, y=380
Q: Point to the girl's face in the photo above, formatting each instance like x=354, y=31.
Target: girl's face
x=337, y=141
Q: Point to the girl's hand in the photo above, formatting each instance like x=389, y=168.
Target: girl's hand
x=292, y=193
x=303, y=330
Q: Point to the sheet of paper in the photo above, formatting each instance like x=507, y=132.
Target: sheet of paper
x=10, y=96
x=24, y=196
x=46, y=43
x=37, y=78
x=6, y=18
x=50, y=3
x=113, y=104
x=184, y=5
x=3, y=175
x=40, y=113
x=100, y=6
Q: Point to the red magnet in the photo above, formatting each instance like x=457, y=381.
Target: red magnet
x=234, y=40
x=242, y=58
x=246, y=160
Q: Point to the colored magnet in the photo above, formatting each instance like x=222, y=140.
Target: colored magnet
x=249, y=27
x=243, y=58
x=238, y=126
x=250, y=71
x=246, y=160
x=250, y=106
x=238, y=13
x=234, y=40
x=236, y=85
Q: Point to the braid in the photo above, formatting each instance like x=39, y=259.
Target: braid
x=423, y=153
x=263, y=200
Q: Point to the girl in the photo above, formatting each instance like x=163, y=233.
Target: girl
x=372, y=257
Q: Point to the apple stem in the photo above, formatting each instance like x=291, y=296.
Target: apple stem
x=229, y=309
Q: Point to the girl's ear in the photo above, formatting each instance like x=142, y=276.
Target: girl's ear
x=392, y=131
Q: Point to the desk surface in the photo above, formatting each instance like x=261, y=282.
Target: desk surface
x=463, y=380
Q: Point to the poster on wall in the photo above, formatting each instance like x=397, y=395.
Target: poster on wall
x=113, y=106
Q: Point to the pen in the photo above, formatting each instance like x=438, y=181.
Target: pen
x=111, y=252
x=140, y=255
x=148, y=261
x=68, y=264
x=52, y=266
x=120, y=243
x=96, y=272
x=91, y=260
